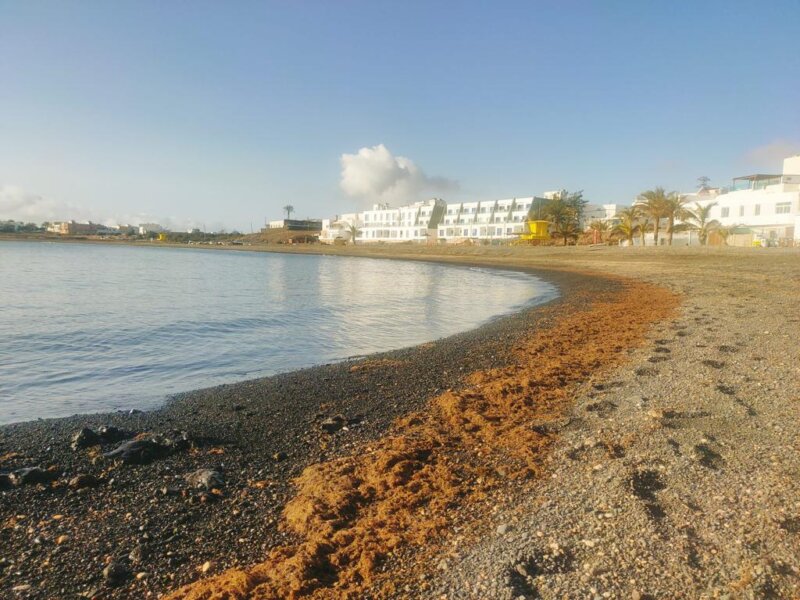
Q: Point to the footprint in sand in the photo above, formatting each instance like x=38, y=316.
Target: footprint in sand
x=714, y=364
x=708, y=457
x=554, y=561
x=646, y=371
x=658, y=359
x=646, y=483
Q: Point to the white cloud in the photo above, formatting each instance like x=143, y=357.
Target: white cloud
x=19, y=205
x=376, y=175
x=770, y=156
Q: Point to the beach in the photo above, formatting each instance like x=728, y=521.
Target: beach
x=637, y=437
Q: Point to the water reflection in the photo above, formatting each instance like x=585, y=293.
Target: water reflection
x=90, y=328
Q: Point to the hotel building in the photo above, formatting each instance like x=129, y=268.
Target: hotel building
x=767, y=205
x=488, y=220
x=412, y=223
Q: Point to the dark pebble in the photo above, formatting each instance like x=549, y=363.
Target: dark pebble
x=333, y=424
x=138, y=452
x=31, y=475
x=116, y=573
x=205, y=479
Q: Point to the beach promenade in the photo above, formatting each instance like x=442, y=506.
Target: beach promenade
x=636, y=438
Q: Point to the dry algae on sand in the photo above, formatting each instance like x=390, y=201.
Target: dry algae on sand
x=406, y=488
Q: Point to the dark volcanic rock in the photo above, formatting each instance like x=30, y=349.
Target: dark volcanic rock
x=205, y=479
x=333, y=424
x=31, y=475
x=178, y=441
x=5, y=481
x=107, y=434
x=84, y=439
x=116, y=573
x=138, y=452
x=139, y=554
x=83, y=480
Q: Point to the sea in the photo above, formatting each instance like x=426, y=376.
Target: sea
x=88, y=328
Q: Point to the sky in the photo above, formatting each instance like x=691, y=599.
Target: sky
x=217, y=115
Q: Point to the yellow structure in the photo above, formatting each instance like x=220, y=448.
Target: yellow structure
x=537, y=231
x=162, y=237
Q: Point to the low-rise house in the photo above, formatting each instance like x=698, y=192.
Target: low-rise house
x=606, y=213
x=75, y=228
x=310, y=225
x=148, y=228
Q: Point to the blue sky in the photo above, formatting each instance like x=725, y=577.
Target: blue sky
x=219, y=114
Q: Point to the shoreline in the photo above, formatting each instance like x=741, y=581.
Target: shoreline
x=283, y=413
x=627, y=429
x=539, y=294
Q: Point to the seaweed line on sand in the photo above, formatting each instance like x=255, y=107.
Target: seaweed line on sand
x=408, y=488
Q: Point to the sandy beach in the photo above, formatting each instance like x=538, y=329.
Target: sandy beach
x=638, y=437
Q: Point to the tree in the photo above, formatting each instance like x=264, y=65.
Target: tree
x=643, y=225
x=599, y=228
x=724, y=233
x=674, y=209
x=353, y=230
x=703, y=181
x=565, y=211
x=698, y=219
x=575, y=201
x=627, y=225
x=567, y=230
x=653, y=203
x=288, y=209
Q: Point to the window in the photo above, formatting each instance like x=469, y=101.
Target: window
x=741, y=211
x=757, y=209
x=783, y=208
x=726, y=212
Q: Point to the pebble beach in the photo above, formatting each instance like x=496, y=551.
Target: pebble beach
x=635, y=438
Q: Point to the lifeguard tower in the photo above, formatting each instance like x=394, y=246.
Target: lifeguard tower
x=537, y=231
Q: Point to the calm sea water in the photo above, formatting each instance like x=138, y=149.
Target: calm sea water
x=97, y=328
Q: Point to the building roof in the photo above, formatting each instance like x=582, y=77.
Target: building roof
x=756, y=177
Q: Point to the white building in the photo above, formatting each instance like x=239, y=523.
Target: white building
x=601, y=212
x=487, y=220
x=766, y=204
x=338, y=228
x=145, y=228
x=412, y=223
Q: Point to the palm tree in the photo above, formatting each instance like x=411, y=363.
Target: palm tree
x=288, y=209
x=674, y=209
x=724, y=232
x=567, y=230
x=653, y=203
x=353, y=230
x=599, y=228
x=627, y=223
x=697, y=219
x=563, y=217
x=643, y=226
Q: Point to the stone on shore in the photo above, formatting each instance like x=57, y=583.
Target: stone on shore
x=207, y=479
